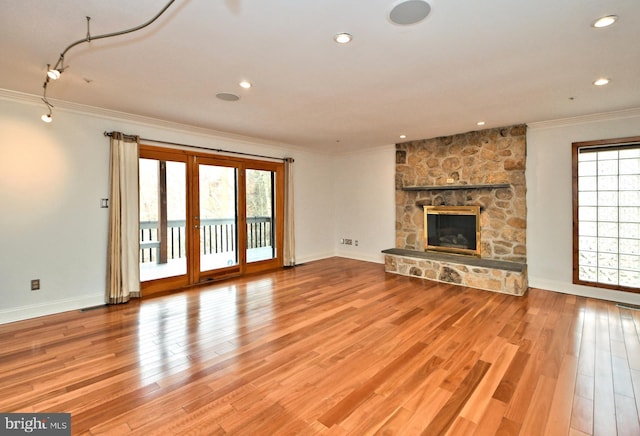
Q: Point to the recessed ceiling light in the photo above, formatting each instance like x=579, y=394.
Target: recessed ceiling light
x=601, y=82
x=342, y=38
x=245, y=84
x=480, y=123
x=409, y=12
x=403, y=136
x=605, y=21
x=227, y=96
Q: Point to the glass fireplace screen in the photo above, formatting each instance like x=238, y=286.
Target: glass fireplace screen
x=453, y=229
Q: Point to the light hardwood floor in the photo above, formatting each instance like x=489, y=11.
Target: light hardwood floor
x=331, y=347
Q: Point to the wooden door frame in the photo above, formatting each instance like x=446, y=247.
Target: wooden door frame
x=194, y=277
x=199, y=277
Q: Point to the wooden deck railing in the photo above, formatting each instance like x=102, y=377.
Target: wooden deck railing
x=216, y=236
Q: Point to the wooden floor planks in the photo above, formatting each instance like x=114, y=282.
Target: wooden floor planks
x=332, y=347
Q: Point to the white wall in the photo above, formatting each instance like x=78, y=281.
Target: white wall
x=52, y=177
x=314, y=208
x=51, y=224
x=549, y=198
x=365, y=203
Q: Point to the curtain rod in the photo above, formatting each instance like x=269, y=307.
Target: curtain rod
x=217, y=150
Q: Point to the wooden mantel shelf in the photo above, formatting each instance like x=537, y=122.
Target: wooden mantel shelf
x=455, y=187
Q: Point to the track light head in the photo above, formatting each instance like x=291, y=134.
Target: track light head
x=54, y=74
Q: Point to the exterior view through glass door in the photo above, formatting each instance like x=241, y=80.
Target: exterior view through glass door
x=205, y=217
x=260, y=219
x=217, y=218
x=163, y=207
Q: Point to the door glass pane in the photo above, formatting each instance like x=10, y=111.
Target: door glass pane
x=162, y=219
x=218, y=217
x=260, y=189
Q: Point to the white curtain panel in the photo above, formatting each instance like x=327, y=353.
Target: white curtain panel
x=123, y=274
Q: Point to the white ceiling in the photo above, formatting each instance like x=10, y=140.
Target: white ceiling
x=500, y=61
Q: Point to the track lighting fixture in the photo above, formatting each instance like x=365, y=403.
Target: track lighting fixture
x=55, y=72
x=48, y=117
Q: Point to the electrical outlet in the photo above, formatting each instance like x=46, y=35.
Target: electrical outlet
x=355, y=242
x=348, y=241
x=35, y=284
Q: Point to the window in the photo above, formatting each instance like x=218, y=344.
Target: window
x=606, y=224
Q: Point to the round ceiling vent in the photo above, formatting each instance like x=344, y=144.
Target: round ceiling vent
x=409, y=12
x=227, y=96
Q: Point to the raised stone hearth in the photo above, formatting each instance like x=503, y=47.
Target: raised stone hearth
x=482, y=168
x=490, y=275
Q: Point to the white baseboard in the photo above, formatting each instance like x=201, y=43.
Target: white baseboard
x=313, y=257
x=49, y=308
x=378, y=258
x=584, y=291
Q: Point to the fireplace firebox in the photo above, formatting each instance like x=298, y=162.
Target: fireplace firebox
x=452, y=229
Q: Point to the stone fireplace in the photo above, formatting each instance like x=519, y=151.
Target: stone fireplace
x=481, y=170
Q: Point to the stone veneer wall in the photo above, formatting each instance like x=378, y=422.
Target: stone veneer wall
x=491, y=156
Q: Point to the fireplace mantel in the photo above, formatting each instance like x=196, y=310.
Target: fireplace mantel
x=455, y=187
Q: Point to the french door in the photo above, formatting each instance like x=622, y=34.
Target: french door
x=205, y=217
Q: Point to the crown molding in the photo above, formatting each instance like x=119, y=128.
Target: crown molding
x=22, y=97
x=386, y=148
x=584, y=119
x=81, y=109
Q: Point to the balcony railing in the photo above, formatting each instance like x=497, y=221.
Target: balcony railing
x=216, y=236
